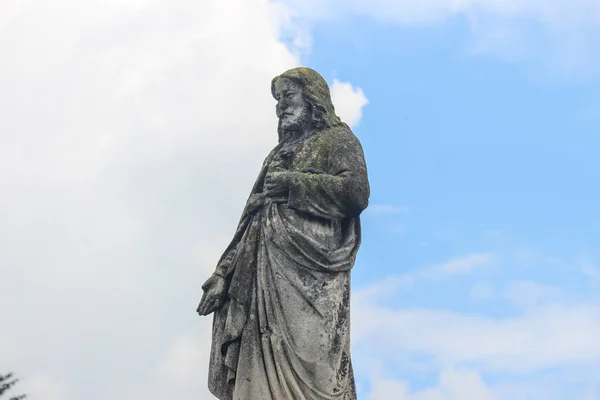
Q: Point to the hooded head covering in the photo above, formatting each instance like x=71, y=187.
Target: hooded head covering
x=316, y=92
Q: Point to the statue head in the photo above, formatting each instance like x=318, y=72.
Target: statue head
x=303, y=101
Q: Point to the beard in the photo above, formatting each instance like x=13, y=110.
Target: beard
x=296, y=121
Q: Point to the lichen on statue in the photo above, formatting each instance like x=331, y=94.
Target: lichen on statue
x=280, y=292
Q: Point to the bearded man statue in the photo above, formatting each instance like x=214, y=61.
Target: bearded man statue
x=281, y=291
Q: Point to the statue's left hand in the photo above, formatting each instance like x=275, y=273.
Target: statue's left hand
x=215, y=292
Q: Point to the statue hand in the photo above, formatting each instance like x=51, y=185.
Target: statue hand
x=215, y=292
x=277, y=184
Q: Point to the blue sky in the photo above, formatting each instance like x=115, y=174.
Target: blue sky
x=469, y=144
x=133, y=131
x=470, y=154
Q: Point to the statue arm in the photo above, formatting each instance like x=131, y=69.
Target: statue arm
x=342, y=192
x=255, y=201
x=225, y=263
x=224, y=266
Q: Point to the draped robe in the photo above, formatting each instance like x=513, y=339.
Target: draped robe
x=284, y=331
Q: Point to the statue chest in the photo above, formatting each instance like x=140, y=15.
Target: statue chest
x=310, y=154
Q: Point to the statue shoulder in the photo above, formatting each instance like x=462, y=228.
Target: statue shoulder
x=341, y=137
x=271, y=154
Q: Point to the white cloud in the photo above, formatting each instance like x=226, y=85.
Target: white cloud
x=468, y=384
x=591, y=271
x=380, y=291
x=383, y=389
x=555, y=12
x=43, y=387
x=558, y=36
x=588, y=268
x=463, y=265
x=348, y=101
x=187, y=358
x=533, y=257
x=130, y=136
x=518, y=350
x=180, y=372
x=132, y=132
x=453, y=384
x=525, y=294
x=536, y=339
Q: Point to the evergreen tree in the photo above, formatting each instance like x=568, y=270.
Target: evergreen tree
x=6, y=383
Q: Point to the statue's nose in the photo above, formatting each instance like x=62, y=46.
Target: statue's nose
x=283, y=109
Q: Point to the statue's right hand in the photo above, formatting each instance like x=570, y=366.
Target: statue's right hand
x=215, y=292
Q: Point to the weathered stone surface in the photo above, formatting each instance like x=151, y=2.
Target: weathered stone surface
x=281, y=291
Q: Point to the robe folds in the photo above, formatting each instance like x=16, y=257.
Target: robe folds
x=284, y=331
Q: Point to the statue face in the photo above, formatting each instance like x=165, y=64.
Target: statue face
x=292, y=109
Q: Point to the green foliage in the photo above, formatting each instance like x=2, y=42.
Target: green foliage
x=6, y=383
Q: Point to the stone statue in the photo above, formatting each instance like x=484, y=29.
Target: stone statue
x=281, y=291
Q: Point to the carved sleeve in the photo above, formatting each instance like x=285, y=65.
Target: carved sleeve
x=255, y=201
x=225, y=263
x=342, y=191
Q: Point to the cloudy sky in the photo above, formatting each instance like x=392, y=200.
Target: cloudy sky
x=131, y=132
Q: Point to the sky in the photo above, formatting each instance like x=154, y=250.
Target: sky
x=131, y=133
